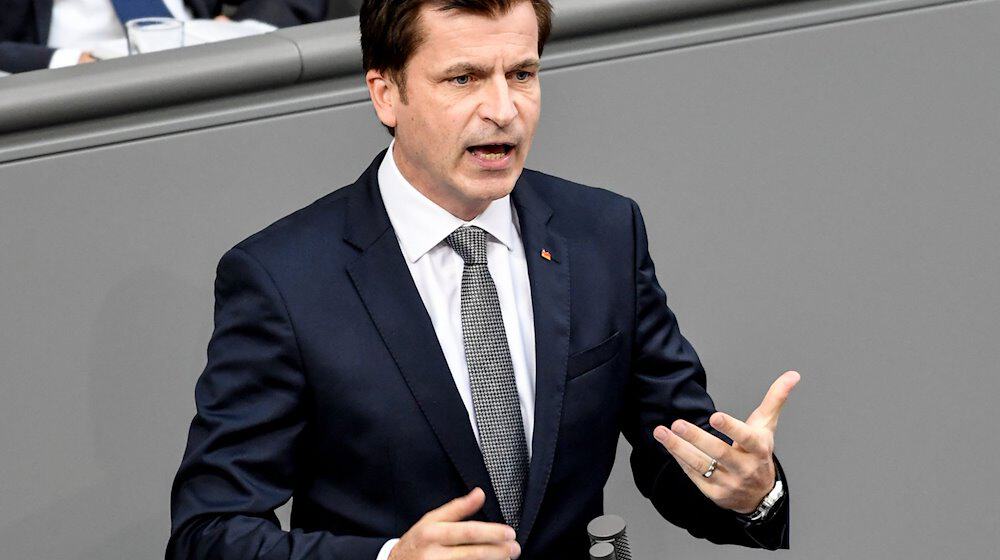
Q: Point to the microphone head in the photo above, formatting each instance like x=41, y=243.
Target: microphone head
x=610, y=529
x=602, y=551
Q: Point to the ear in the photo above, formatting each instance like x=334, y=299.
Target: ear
x=384, y=95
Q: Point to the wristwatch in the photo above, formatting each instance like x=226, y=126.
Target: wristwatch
x=766, y=505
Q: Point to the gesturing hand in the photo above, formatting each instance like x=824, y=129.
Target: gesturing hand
x=440, y=534
x=744, y=472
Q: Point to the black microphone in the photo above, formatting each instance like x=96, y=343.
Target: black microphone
x=609, y=529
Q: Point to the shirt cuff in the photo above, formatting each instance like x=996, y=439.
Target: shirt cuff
x=386, y=549
x=260, y=27
x=65, y=57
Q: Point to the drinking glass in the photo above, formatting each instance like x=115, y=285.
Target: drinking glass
x=154, y=34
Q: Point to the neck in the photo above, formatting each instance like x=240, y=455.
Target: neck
x=462, y=208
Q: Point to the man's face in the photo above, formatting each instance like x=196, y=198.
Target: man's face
x=473, y=102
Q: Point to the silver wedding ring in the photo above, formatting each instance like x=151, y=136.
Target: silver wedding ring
x=711, y=469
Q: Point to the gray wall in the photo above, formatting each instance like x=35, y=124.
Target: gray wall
x=820, y=197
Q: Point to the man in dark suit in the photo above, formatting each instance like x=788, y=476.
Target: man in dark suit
x=25, y=24
x=437, y=360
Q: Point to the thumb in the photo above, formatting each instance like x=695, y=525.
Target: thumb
x=459, y=508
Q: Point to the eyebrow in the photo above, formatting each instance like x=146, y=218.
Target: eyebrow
x=463, y=68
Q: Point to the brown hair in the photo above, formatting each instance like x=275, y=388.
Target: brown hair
x=390, y=33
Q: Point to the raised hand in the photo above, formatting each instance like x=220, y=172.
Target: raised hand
x=744, y=472
x=441, y=534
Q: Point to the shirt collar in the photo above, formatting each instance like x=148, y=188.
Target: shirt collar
x=420, y=224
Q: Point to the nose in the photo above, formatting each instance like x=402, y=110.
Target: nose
x=498, y=104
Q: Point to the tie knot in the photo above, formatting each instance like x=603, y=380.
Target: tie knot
x=470, y=244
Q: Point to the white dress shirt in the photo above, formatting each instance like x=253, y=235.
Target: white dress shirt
x=421, y=227
x=82, y=25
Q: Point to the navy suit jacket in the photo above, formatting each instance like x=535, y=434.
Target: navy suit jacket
x=325, y=382
x=24, y=24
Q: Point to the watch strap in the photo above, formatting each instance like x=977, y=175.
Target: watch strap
x=766, y=505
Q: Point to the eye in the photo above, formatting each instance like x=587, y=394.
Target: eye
x=462, y=80
x=523, y=75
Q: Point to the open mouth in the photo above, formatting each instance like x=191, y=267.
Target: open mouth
x=491, y=152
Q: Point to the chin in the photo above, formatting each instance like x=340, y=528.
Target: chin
x=490, y=188
x=500, y=188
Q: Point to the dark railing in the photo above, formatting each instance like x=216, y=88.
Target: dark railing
x=331, y=49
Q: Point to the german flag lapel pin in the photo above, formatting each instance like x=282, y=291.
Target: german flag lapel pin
x=546, y=255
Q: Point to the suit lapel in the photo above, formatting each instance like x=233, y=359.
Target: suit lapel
x=384, y=283
x=550, y=301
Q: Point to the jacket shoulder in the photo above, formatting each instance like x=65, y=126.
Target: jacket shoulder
x=560, y=190
x=318, y=226
x=581, y=200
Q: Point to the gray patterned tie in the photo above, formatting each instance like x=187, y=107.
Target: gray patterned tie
x=491, y=374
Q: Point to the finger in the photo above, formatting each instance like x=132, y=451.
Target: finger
x=704, y=485
x=682, y=450
x=704, y=441
x=770, y=408
x=483, y=551
x=452, y=533
x=698, y=478
x=738, y=431
x=459, y=508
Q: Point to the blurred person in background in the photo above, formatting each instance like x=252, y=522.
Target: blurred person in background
x=37, y=34
x=343, y=8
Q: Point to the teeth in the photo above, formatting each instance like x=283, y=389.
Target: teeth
x=493, y=156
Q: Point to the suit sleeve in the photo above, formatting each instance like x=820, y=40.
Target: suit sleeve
x=240, y=462
x=281, y=13
x=23, y=57
x=667, y=382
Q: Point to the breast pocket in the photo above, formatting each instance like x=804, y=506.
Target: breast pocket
x=581, y=362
